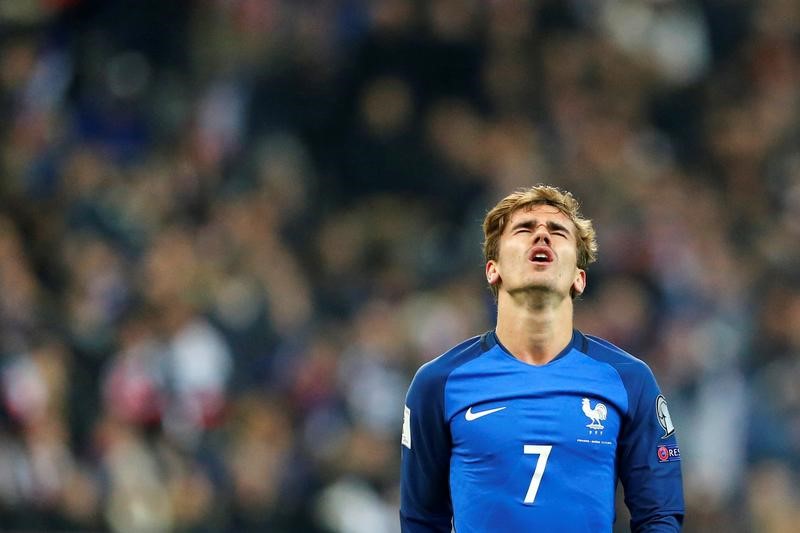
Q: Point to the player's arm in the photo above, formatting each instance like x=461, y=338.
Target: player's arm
x=649, y=460
x=424, y=485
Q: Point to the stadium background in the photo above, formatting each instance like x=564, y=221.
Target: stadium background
x=231, y=230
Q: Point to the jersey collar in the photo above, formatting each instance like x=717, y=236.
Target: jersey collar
x=489, y=340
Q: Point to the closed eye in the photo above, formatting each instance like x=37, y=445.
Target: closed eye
x=557, y=229
x=524, y=226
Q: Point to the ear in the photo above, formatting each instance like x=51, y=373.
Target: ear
x=579, y=284
x=492, y=273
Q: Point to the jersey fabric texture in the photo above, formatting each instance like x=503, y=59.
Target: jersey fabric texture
x=493, y=444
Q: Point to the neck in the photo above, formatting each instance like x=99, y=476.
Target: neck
x=535, y=329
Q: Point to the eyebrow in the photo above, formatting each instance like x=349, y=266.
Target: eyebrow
x=532, y=223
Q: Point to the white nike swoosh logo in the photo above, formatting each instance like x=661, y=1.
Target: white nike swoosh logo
x=470, y=416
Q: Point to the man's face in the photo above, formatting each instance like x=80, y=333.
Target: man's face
x=538, y=251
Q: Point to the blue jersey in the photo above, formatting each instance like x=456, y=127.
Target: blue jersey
x=492, y=444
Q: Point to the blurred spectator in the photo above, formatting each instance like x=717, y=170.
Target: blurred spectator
x=231, y=231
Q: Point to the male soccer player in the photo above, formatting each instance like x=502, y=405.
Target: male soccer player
x=527, y=428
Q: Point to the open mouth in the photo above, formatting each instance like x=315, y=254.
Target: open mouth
x=541, y=255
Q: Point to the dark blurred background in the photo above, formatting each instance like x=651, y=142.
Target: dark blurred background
x=231, y=230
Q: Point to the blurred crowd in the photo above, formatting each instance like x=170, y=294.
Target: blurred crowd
x=231, y=230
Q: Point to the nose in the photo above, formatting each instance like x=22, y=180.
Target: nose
x=541, y=235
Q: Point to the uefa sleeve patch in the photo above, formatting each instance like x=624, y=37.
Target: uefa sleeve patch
x=664, y=420
x=406, y=440
x=668, y=453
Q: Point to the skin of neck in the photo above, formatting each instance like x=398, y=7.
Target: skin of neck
x=534, y=325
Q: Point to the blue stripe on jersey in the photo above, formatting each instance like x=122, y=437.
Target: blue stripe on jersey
x=424, y=485
x=653, y=488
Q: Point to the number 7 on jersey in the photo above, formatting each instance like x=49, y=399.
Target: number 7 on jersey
x=543, y=451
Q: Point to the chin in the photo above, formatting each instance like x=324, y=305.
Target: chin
x=534, y=287
x=544, y=287
x=539, y=283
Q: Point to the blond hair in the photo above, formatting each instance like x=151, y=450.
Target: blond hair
x=496, y=219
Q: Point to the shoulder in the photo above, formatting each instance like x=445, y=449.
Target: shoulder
x=434, y=373
x=633, y=371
